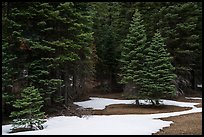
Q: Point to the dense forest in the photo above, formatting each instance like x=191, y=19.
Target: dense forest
x=54, y=53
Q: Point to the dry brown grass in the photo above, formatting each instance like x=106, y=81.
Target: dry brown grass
x=120, y=109
x=189, y=124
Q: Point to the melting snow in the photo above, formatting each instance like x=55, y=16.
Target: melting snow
x=192, y=98
x=130, y=124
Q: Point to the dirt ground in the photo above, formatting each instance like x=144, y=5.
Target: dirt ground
x=121, y=109
x=189, y=124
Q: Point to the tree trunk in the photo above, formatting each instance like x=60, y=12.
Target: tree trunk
x=75, y=85
x=59, y=91
x=67, y=84
x=152, y=102
x=137, y=102
x=193, y=79
x=82, y=85
x=157, y=102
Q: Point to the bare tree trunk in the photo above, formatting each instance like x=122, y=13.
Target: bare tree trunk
x=81, y=80
x=193, y=83
x=157, y=102
x=59, y=91
x=82, y=85
x=67, y=84
x=152, y=102
x=74, y=86
x=137, y=102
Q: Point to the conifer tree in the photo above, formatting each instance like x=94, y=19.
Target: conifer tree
x=9, y=58
x=158, y=72
x=107, y=40
x=179, y=25
x=28, y=113
x=132, y=57
x=52, y=41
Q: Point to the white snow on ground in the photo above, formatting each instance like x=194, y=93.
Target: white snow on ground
x=99, y=125
x=199, y=86
x=101, y=103
x=192, y=98
x=132, y=124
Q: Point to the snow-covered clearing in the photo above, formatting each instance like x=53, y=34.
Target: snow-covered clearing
x=132, y=124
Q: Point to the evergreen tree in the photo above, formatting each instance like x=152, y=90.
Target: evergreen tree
x=179, y=25
x=9, y=59
x=107, y=41
x=132, y=57
x=53, y=42
x=159, y=72
x=28, y=113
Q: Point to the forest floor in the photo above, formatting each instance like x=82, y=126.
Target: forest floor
x=188, y=124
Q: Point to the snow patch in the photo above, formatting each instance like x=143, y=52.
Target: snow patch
x=131, y=124
x=192, y=98
x=101, y=103
x=199, y=86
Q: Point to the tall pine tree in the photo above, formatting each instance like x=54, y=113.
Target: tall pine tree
x=132, y=57
x=159, y=74
x=179, y=24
